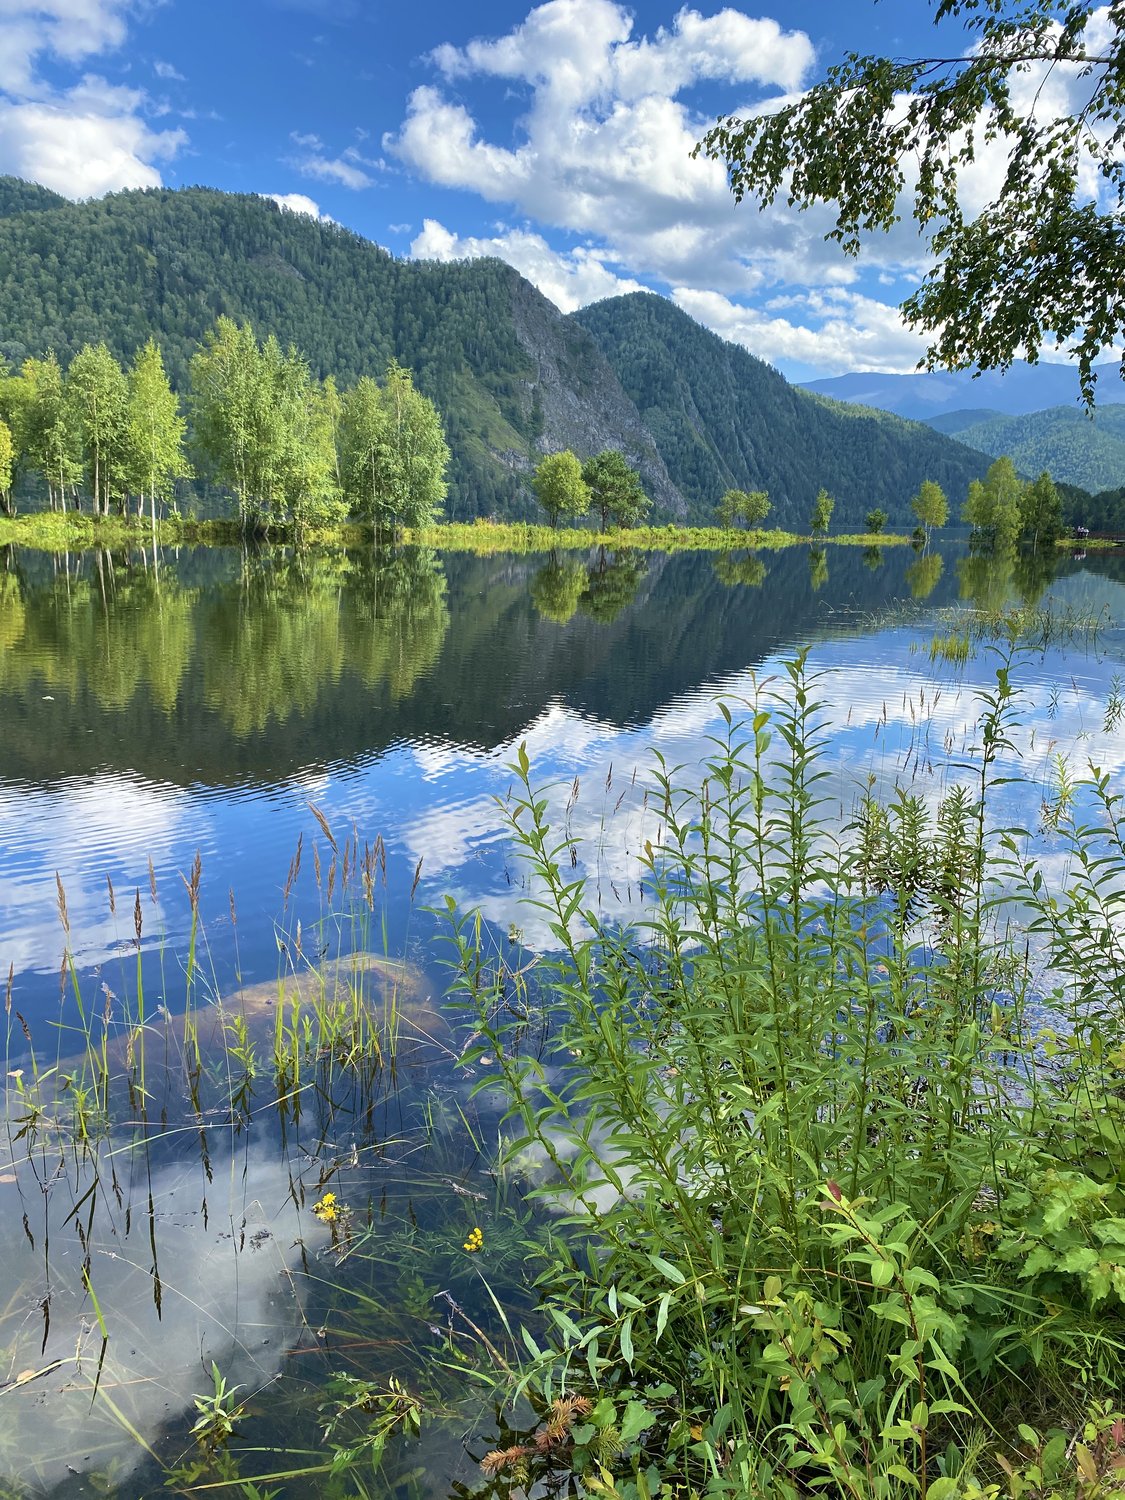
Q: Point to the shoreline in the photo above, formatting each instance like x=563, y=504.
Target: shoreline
x=49, y=531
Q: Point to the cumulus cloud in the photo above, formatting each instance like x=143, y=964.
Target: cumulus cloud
x=92, y=137
x=298, y=203
x=168, y=70
x=569, y=279
x=603, y=151
x=89, y=140
x=66, y=30
x=841, y=329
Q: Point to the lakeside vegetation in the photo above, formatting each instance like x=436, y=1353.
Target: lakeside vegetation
x=48, y=531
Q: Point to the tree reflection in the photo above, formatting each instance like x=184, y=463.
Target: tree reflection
x=922, y=576
x=396, y=616
x=106, y=628
x=612, y=586
x=740, y=569
x=557, y=587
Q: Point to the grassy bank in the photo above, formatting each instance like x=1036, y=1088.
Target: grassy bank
x=48, y=531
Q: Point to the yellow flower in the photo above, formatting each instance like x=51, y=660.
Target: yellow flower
x=326, y=1210
x=475, y=1241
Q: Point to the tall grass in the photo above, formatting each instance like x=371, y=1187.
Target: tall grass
x=838, y=1213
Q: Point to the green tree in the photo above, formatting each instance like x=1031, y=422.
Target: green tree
x=98, y=395
x=309, y=492
x=560, y=488
x=615, y=489
x=363, y=442
x=930, y=506
x=234, y=413
x=417, y=453
x=15, y=400
x=823, y=507
x=50, y=437
x=875, y=520
x=992, y=507
x=7, y=464
x=1041, y=519
x=557, y=588
x=154, y=446
x=1045, y=256
x=745, y=507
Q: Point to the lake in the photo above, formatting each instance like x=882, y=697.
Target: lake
x=222, y=773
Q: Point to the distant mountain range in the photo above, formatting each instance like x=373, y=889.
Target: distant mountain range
x=1023, y=389
x=1088, y=451
x=511, y=375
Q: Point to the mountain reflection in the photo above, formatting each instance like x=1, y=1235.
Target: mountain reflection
x=228, y=668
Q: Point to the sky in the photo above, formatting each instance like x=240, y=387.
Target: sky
x=556, y=136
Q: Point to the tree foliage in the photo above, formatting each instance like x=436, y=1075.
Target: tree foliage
x=992, y=506
x=875, y=521
x=615, y=489
x=7, y=464
x=823, y=507
x=1044, y=259
x=154, y=430
x=560, y=487
x=930, y=505
x=742, y=508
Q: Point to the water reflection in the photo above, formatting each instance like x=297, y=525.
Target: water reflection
x=145, y=717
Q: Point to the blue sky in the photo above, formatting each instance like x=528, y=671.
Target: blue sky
x=556, y=136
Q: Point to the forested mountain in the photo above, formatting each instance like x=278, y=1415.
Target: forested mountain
x=1078, y=449
x=502, y=364
x=722, y=418
x=1021, y=389
x=511, y=376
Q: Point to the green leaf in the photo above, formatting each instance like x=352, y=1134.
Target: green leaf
x=666, y=1268
x=662, y=1314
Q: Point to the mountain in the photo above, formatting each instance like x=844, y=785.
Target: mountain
x=954, y=423
x=507, y=371
x=722, y=418
x=1024, y=388
x=1076, y=449
x=511, y=375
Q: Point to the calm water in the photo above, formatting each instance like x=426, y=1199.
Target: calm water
x=209, y=706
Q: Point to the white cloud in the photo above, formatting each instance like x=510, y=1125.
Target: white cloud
x=298, y=203
x=349, y=169
x=168, y=70
x=603, y=150
x=570, y=280
x=67, y=30
x=90, y=140
x=605, y=146
x=844, y=329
